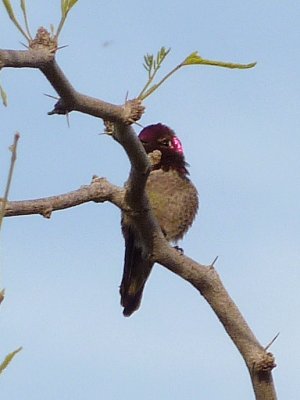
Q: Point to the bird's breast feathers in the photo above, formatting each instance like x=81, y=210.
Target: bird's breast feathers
x=174, y=200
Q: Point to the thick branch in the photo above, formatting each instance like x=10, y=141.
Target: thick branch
x=206, y=280
x=70, y=99
x=24, y=58
x=137, y=203
x=99, y=191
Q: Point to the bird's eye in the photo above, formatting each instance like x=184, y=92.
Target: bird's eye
x=165, y=142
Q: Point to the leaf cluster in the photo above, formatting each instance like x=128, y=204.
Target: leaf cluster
x=66, y=6
x=152, y=65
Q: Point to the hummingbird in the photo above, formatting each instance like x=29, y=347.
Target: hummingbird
x=174, y=201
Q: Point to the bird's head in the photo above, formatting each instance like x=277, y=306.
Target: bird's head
x=161, y=137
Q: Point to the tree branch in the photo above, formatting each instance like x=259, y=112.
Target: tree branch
x=70, y=99
x=99, y=191
x=134, y=202
x=205, y=279
x=138, y=208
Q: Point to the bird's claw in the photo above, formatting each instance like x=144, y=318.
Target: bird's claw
x=179, y=249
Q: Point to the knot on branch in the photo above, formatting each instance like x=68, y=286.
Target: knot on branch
x=133, y=111
x=100, y=185
x=47, y=212
x=265, y=363
x=44, y=41
x=109, y=127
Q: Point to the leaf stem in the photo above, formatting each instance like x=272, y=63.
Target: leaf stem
x=23, y=7
x=148, y=83
x=146, y=94
x=4, y=200
x=60, y=26
x=11, y=14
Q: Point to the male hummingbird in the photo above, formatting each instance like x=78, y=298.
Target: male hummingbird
x=174, y=201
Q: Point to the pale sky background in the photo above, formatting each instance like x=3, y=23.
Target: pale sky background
x=240, y=131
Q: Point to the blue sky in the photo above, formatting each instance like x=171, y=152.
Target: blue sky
x=240, y=131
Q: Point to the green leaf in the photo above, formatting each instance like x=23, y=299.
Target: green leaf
x=66, y=6
x=12, y=16
x=162, y=54
x=195, y=59
x=8, y=359
x=23, y=6
x=62, y=7
x=3, y=96
x=71, y=4
x=9, y=9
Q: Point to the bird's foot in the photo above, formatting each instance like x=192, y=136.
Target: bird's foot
x=179, y=249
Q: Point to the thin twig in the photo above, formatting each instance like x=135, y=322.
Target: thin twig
x=144, y=94
x=13, y=149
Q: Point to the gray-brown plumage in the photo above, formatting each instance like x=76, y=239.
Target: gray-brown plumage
x=174, y=200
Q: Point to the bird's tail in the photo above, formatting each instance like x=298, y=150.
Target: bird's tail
x=136, y=272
